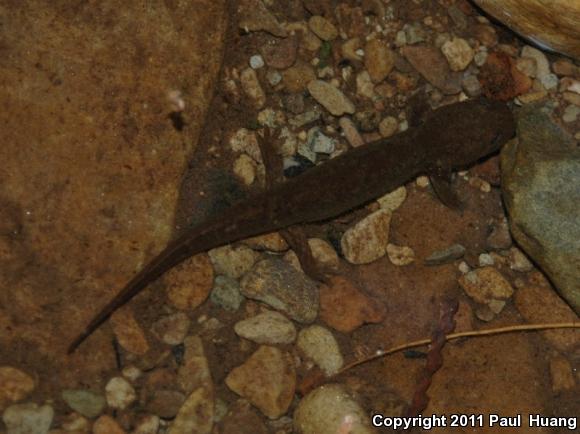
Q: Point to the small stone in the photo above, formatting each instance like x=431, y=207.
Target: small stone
x=128, y=332
x=107, y=425
x=542, y=64
x=165, y=403
x=496, y=306
x=267, y=379
x=367, y=120
x=422, y=181
x=233, y=261
x=319, y=345
x=172, y=329
x=196, y=415
x=486, y=284
x=564, y=67
x=364, y=86
x=331, y=98
x=331, y=409
x=379, y=60
x=267, y=328
x=319, y=142
x=367, y=241
x=457, y=16
x=132, y=373
x=414, y=33
x=245, y=169
x=28, y=418
x=323, y=253
x=350, y=49
x=471, y=86
x=322, y=28
x=244, y=140
x=389, y=126
x=434, y=67
x=297, y=77
x=572, y=98
x=519, y=261
x=350, y=132
x=15, y=385
x=484, y=313
x=85, y=402
x=562, y=375
x=74, y=423
x=393, y=200
x=458, y=53
x=226, y=293
x=278, y=284
x=252, y=87
x=344, y=307
x=549, y=81
x=256, y=62
x=485, y=34
x=450, y=254
x=273, y=77
x=400, y=255
x=528, y=66
x=272, y=242
x=148, y=424
x=190, y=282
x=464, y=268
x=571, y=114
x=485, y=259
x=194, y=374
x=281, y=53
x=119, y=393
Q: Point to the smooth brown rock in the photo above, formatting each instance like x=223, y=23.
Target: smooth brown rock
x=553, y=24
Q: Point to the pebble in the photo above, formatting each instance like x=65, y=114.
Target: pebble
x=252, y=87
x=148, y=424
x=571, y=113
x=528, y=66
x=278, y=284
x=400, y=255
x=564, y=67
x=165, y=403
x=350, y=132
x=519, y=261
x=450, y=254
x=267, y=379
x=344, y=307
x=365, y=86
x=379, y=60
x=196, y=413
x=74, y=423
x=542, y=64
x=190, y=283
x=471, y=86
x=281, y=53
x=305, y=118
x=233, y=261
x=485, y=34
x=572, y=98
x=243, y=419
x=367, y=240
x=244, y=140
x=297, y=77
x=319, y=345
x=549, y=81
x=486, y=284
x=132, y=373
x=388, y=126
x=226, y=293
x=119, y=393
x=412, y=34
x=15, y=385
x=319, y=142
x=194, y=372
x=269, y=328
x=322, y=28
x=323, y=253
x=433, y=66
x=128, y=332
x=393, y=200
x=272, y=242
x=562, y=375
x=85, y=402
x=331, y=98
x=331, y=409
x=256, y=62
x=458, y=53
x=255, y=16
x=28, y=418
x=273, y=77
x=245, y=168
x=350, y=49
x=172, y=329
x=107, y=425
x=485, y=259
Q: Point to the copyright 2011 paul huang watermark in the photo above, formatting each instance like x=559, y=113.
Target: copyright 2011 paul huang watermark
x=474, y=421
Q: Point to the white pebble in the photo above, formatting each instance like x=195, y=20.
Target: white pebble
x=256, y=62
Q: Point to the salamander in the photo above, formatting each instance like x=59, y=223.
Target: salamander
x=450, y=138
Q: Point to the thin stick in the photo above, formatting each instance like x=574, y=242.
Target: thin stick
x=473, y=333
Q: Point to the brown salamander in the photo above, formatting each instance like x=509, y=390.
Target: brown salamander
x=450, y=138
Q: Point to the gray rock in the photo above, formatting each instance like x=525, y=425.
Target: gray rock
x=279, y=285
x=267, y=328
x=541, y=190
x=85, y=402
x=450, y=254
x=226, y=293
x=28, y=418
